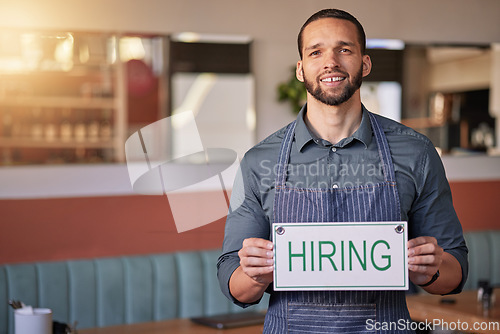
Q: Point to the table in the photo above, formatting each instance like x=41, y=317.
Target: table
x=180, y=326
x=464, y=313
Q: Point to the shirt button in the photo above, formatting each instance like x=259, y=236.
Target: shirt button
x=335, y=186
x=334, y=149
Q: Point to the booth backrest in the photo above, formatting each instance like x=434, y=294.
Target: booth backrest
x=111, y=291
x=484, y=257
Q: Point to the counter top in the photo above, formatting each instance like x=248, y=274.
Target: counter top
x=58, y=181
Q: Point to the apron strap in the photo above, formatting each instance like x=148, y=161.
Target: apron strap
x=383, y=150
x=284, y=155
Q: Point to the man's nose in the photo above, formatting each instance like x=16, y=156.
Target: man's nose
x=331, y=60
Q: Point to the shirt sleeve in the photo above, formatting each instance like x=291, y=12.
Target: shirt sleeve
x=246, y=219
x=433, y=213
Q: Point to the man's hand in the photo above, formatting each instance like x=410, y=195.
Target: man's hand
x=425, y=257
x=249, y=281
x=256, y=259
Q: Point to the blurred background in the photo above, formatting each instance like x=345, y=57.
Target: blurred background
x=77, y=78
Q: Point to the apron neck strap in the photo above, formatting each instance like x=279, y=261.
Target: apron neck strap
x=383, y=150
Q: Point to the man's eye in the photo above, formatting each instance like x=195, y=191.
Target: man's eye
x=345, y=50
x=315, y=53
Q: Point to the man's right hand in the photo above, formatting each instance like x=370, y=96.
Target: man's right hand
x=249, y=281
x=256, y=259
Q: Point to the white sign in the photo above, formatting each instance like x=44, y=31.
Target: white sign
x=340, y=256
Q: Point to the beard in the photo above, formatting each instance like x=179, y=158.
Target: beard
x=333, y=99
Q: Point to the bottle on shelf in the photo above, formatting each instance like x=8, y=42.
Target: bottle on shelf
x=50, y=129
x=80, y=128
x=36, y=125
x=66, y=129
x=93, y=128
x=106, y=131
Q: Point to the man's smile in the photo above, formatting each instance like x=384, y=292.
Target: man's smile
x=331, y=79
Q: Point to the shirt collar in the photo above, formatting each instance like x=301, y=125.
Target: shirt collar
x=364, y=133
x=303, y=135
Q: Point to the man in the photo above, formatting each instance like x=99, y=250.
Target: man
x=294, y=176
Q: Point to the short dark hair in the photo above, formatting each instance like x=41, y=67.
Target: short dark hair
x=335, y=14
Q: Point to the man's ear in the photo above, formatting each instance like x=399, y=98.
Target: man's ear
x=299, y=72
x=367, y=65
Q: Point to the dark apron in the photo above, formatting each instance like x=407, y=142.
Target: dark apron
x=337, y=311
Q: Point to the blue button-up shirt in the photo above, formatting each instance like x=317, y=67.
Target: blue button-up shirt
x=424, y=192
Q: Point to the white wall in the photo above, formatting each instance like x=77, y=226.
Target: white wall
x=273, y=24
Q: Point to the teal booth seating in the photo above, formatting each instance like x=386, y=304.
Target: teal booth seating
x=484, y=257
x=121, y=290
x=111, y=291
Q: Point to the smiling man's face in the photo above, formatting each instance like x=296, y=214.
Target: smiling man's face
x=333, y=65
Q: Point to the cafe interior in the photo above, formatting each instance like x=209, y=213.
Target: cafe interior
x=122, y=124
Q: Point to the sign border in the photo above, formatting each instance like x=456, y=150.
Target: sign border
x=404, y=286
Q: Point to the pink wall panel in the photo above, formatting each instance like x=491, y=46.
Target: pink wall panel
x=72, y=228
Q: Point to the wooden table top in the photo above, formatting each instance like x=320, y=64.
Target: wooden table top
x=465, y=312
x=462, y=309
x=180, y=326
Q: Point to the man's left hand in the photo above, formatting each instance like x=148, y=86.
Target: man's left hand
x=424, y=259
